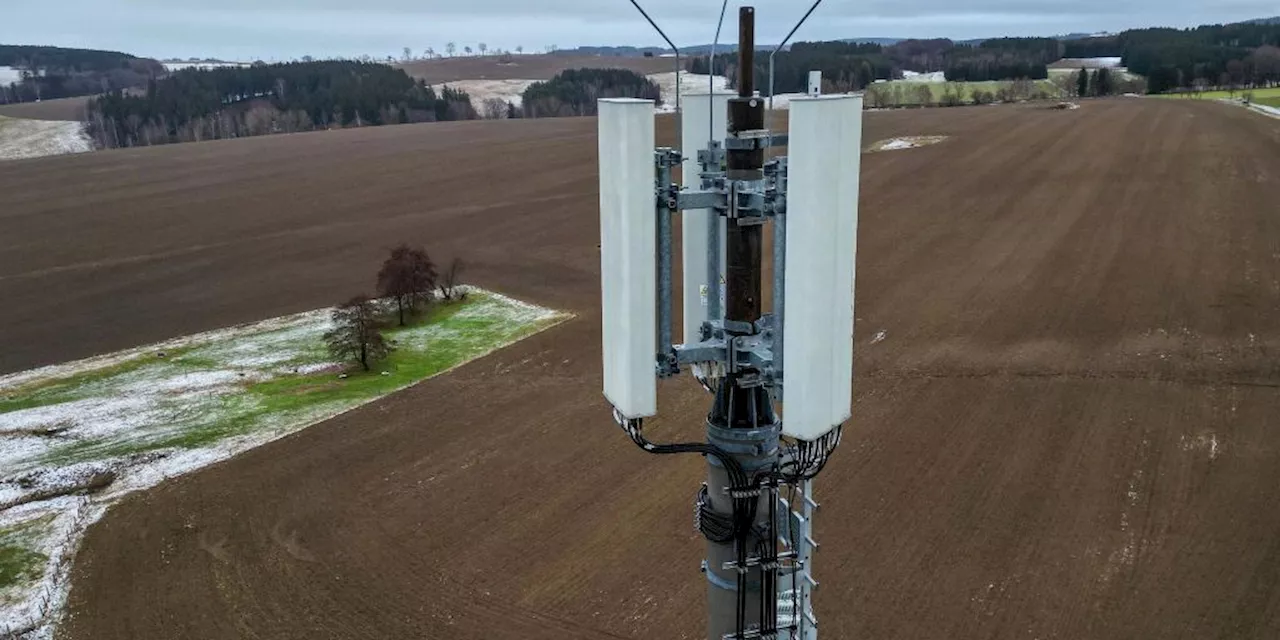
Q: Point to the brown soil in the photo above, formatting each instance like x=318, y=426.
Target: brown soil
x=60, y=109
x=1065, y=430
x=526, y=67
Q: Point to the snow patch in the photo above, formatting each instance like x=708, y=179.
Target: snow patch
x=157, y=394
x=179, y=66
x=480, y=90
x=1266, y=110
x=22, y=138
x=689, y=83
x=1206, y=442
x=907, y=142
x=10, y=75
x=931, y=77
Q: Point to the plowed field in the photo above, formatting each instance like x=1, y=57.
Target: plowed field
x=1067, y=383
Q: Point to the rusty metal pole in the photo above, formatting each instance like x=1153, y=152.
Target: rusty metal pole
x=742, y=594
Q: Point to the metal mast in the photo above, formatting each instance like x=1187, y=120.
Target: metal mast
x=758, y=545
x=741, y=594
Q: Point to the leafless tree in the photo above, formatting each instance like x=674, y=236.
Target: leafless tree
x=923, y=94
x=429, y=53
x=355, y=334
x=1198, y=86
x=878, y=95
x=407, y=54
x=450, y=281
x=494, y=109
x=519, y=48
x=450, y=48
x=1065, y=83
x=1266, y=65
x=1022, y=89
x=467, y=49
x=483, y=48
x=409, y=276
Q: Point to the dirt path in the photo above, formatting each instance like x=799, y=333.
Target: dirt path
x=1065, y=378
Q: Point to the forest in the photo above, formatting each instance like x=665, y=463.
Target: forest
x=229, y=102
x=853, y=67
x=56, y=72
x=1244, y=54
x=574, y=92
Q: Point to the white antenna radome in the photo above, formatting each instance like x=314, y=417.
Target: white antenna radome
x=822, y=227
x=628, y=266
x=699, y=127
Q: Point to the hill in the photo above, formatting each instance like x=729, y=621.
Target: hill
x=234, y=102
x=1071, y=405
x=58, y=72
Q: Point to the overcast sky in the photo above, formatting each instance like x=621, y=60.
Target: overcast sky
x=284, y=29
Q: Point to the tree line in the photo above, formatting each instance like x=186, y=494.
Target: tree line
x=1237, y=55
x=574, y=92
x=847, y=66
x=57, y=72
x=229, y=102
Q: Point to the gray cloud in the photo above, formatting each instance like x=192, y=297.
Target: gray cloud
x=284, y=29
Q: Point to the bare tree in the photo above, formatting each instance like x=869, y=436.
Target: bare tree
x=519, y=48
x=1266, y=65
x=483, y=47
x=1022, y=88
x=429, y=53
x=494, y=109
x=1199, y=86
x=450, y=48
x=355, y=334
x=408, y=275
x=450, y=281
x=467, y=49
x=923, y=94
x=407, y=54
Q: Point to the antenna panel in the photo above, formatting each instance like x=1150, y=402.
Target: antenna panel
x=628, y=263
x=824, y=161
x=703, y=118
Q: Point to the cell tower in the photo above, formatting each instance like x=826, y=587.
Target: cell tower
x=767, y=434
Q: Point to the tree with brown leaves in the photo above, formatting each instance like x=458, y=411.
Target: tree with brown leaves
x=355, y=334
x=409, y=276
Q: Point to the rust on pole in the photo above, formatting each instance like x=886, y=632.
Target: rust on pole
x=746, y=51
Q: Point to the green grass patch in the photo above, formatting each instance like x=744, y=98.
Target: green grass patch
x=1261, y=96
x=59, y=390
x=937, y=90
x=268, y=380
x=19, y=561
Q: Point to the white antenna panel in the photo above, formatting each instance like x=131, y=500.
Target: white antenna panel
x=823, y=163
x=702, y=119
x=628, y=263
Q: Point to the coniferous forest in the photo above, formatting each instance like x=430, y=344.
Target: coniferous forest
x=229, y=102
x=57, y=72
x=574, y=92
